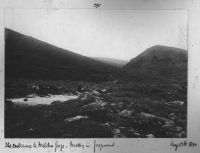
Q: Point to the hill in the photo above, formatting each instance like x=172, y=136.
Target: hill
x=29, y=58
x=159, y=62
x=111, y=61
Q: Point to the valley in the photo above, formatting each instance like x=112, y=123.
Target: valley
x=54, y=93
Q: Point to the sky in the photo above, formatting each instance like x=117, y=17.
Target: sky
x=119, y=34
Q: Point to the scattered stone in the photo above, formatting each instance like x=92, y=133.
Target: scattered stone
x=133, y=133
x=75, y=118
x=178, y=128
x=106, y=125
x=31, y=95
x=181, y=122
x=150, y=136
x=178, y=102
x=113, y=104
x=171, y=115
x=122, y=129
x=125, y=113
x=169, y=123
x=104, y=90
x=66, y=135
x=181, y=135
x=31, y=129
x=174, y=118
x=116, y=133
x=150, y=116
x=171, y=127
x=95, y=92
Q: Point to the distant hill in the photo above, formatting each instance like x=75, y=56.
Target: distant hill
x=29, y=58
x=112, y=61
x=159, y=62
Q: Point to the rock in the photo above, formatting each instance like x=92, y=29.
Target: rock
x=116, y=133
x=178, y=128
x=107, y=125
x=133, y=133
x=31, y=129
x=31, y=95
x=117, y=82
x=150, y=136
x=120, y=105
x=95, y=92
x=104, y=90
x=182, y=134
x=71, y=119
x=178, y=102
x=95, y=110
x=171, y=115
x=181, y=122
x=122, y=129
x=56, y=102
x=170, y=127
x=154, y=117
x=174, y=118
x=169, y=123
x=66, y=135
x=125, y=113
x=113, y=104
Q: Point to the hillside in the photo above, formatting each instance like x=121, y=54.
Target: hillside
x=112, y=61
x=29, y=58
x=159, y=62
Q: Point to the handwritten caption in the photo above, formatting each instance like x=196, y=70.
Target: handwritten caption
x=59, y=147
x=97, y=5
x=182, y=144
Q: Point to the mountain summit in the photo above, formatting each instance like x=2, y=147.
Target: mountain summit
x=159, y=61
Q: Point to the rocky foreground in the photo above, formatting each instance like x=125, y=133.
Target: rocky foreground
x=107, y=110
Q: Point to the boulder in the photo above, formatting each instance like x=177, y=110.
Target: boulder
x=116, y=133
x=31, y=95
x=171, y=115
x=181, y=122
x=153, y=117
x=133, y=133
x=104, y=90
x=182, y=134
x=178, y=102
x=125, y=113
x=71, y=119
x=170, y=127
x=178, y=128
x=150, y=136
x=95, y=110
x=95, y=92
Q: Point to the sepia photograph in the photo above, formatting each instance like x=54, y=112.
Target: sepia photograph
x=83, y=73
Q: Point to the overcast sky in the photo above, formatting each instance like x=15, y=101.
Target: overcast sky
x=120, y=34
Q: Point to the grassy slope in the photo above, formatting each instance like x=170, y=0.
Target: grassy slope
x=30, y=58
